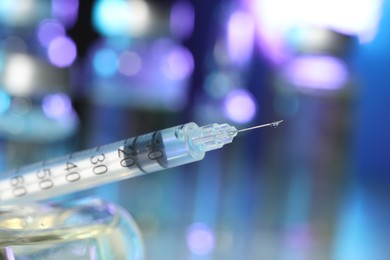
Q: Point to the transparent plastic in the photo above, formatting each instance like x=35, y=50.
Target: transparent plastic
x=211, y=137
x=128, y=158
x=86, y=169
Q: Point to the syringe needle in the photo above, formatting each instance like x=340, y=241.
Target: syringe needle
x=273, y=124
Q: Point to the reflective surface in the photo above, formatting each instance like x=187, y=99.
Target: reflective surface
x=88, y=229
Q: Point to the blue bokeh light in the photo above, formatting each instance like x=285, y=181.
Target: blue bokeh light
x=109, y=17
x=105, y=62
x=5, y=101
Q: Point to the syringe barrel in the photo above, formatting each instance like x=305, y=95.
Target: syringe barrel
x=86, y=169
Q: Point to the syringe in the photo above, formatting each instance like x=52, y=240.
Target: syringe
x=128, y=158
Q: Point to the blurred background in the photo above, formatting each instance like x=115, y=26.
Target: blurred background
x=78, y=74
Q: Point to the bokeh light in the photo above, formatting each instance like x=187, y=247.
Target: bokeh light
x=62, y=51
x=49, y=30
x=178, y=63
x=105, y=62
x=240, y=106
x=65, y=10
x=130, y=63
x=22, y=13
x=182, y=19
x=276, y=19
x=299, y=237
x=200, y=239
x=5, y=101
x=21, y=106
x=13, y=44
x=218, y=84
x=240, y=36
x=57, y=106
x=119, y=17
x=317, y=72
x=18, y=77
x=110, y=17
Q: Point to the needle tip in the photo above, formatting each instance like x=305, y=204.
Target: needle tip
x=275, y=124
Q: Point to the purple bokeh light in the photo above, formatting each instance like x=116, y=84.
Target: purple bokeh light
x=178, y=63
x=62, y=51
x=240, y=36
x=49, y=30
x=182, y=19
x=57, y=106
x=66, y=11
x=299, y=237
x=317, y=72
x=130, y=63
x=240, y=106
x=200, y=239
x=270, y=17
x=276, y=20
